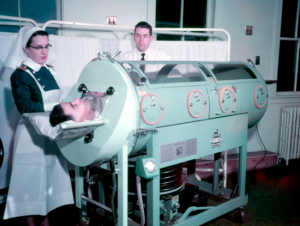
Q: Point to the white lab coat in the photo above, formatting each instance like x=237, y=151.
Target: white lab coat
x=40, y=180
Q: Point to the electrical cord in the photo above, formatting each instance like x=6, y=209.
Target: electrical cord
x=249, y=60
x=253, y=170
x=265, y=150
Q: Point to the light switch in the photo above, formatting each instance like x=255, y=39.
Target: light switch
x=257, y=60
x=249, y=30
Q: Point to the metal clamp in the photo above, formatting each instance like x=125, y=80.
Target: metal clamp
x=107, y=56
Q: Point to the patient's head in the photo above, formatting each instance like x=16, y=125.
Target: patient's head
x=78, y=110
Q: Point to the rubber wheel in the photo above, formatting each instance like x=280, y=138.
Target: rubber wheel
x=240, y=215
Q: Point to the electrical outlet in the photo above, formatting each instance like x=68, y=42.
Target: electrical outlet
x=249, y=30
x=257, y=60
x=111, y=20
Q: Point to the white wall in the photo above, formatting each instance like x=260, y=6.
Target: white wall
x=235, y=15
x=128, y=14
x=265, y=17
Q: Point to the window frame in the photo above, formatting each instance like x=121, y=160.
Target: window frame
x=210, y=5
x=297, y=49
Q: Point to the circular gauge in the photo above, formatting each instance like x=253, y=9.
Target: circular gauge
x=260, y=97
x=227, y=99
x=196, y=103
x=152, y=108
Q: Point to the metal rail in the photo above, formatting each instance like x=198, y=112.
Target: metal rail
x=171, y=31
x=17, y=19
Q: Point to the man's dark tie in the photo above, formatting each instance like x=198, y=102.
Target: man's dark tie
x=142, y=67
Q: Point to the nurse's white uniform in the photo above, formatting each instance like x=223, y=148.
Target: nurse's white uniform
x=40, y=180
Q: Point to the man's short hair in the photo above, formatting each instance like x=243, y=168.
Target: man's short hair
x=144, y=24
x=58, y=116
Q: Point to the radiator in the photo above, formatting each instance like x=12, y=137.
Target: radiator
x=289, y=146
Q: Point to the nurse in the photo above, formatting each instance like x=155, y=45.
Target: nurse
x=40, y=180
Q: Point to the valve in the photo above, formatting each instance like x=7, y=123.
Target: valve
x=110, y=90
x=82, y=88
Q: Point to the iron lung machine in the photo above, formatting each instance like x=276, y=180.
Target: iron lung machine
x=159, y=118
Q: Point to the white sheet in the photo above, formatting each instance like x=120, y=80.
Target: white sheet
x=65, y=130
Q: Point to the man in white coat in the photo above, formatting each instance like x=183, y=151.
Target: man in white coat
x=143, y=37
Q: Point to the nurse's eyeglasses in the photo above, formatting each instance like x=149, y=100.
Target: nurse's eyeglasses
x=39, y=48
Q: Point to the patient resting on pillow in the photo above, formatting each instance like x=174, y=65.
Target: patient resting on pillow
x=89, y=107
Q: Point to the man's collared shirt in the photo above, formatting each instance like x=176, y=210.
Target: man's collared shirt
x=152, y=54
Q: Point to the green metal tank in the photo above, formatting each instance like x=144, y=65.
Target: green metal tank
x=161, y=94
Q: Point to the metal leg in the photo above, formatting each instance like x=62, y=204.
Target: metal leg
x=153, y=189
x=216, y=174
x=242, y=170
x=153, y=211
x=123, y=187
x=78, y=185
x=225, y=169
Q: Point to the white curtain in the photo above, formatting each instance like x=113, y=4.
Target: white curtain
x=194, y=51
x=73, y=53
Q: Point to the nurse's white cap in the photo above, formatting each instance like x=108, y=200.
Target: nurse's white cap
x=27, y=32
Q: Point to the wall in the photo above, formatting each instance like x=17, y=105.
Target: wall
x=265, y=17
x=128, y=14
x=235, y=15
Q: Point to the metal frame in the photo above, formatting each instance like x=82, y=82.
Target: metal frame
x=16, y=19
x=173, y=31
x=211, y=212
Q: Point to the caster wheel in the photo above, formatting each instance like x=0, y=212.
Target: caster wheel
x=281, y=162
x=240, y=215
x=85, y=221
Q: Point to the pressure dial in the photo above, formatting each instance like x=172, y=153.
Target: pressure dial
x=260, y=97
x=196, y=103
x=227, y=99
x=152, y=108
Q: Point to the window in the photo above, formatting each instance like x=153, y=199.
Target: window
x=289, y=59
x=180, y=14
x=39, y=11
